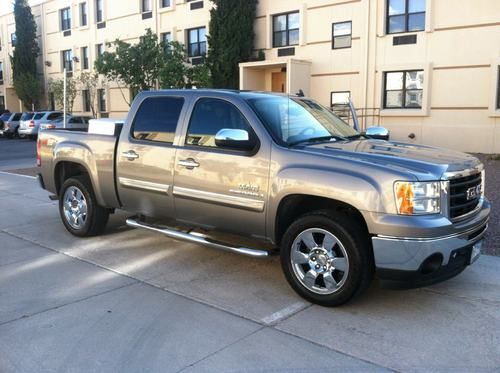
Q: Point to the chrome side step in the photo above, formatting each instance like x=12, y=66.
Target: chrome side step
x=197, y=238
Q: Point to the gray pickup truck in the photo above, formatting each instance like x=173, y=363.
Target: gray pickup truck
x=282, y=173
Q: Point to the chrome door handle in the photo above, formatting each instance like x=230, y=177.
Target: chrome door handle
x=189, y=163
x=130, y=155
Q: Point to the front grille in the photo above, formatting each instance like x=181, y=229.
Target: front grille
x=459, y=204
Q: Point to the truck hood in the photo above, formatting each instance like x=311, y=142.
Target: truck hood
x=424, y=162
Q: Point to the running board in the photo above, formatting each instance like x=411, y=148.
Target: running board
x=197, y=238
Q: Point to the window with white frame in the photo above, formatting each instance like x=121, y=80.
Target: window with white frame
x=146, y=6
x=67, y=58
x=84, y=54
x=65, y=15
x=99, y=49
x=341, y=35
x=197, y=42
x=165, y=3
x=1, y=72
x=101, y=97
x=403, y=89
x=83, y=14
x=166, y=38
x=99, y=10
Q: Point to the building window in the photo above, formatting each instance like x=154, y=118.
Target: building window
x=99, y=49
x=2, y=103
x=405, y=16
x=99, y=10
x=342, y=35
x=86, y=100
x=13, y=39
x=403, y=89
x=101, y=96
x=67, y=58
x=166, y=38
x=340, y=98
x=85, y=57
x=1, y=72
x=197, y=42
x=165, y=3
x=146, y=6
x=65, y=15
x=52, y=101
x=83, y=14
x=286, y=29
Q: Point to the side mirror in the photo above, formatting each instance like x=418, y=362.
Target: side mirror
x=234, y=139
x=379, y=133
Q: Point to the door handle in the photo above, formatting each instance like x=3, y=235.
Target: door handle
x=189, y=163
x=130, y=155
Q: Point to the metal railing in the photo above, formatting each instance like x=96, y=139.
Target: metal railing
x=367, y=117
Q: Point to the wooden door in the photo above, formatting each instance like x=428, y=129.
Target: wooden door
x=279, y=82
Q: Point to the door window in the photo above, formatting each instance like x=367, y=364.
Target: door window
x=156, y=119
x=209, y=117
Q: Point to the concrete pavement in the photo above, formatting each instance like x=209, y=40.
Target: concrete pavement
x=134, y=301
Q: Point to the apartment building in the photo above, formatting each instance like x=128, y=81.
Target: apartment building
x=428, y=70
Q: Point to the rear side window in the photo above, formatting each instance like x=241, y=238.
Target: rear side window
x=38, y=116
x=5, y=117
x=17, y=117
x=156, y=119
x=52, y=116
x=27, y=116
x=210, y=115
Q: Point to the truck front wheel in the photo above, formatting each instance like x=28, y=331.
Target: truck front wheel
x=326, y=258
x=80, y=213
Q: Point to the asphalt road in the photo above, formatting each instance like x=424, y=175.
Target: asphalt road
x=17, y=153
x=133, y=301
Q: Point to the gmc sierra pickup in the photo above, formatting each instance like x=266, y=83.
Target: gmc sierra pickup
x=282, y=171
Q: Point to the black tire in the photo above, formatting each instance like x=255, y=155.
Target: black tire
x=355, y=241
x=96, y=216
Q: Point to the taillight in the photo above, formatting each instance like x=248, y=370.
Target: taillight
x=38, y=152
x=50, y=126
x=32, y=124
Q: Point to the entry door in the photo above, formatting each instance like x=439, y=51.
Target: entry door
x=219, y=188
x=279, y=82
x=145, y=158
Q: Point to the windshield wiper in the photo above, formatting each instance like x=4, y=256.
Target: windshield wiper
x=354, y=137
x=317, y=139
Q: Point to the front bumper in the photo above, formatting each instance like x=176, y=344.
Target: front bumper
x=426, y=260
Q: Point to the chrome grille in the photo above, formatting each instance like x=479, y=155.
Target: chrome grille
x=461, y=202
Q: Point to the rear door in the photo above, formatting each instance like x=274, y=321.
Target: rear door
x=146, y=154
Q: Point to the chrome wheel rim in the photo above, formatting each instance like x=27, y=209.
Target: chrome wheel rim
x=75, y=207
x=319, y=261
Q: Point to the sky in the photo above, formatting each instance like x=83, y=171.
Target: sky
x=6, y=6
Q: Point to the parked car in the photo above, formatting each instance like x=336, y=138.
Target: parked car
x=336, y=204
x=80, y=122
x=9, y=124
x=26, y=117
x=30, y=128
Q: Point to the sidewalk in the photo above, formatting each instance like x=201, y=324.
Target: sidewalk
x=133, y=301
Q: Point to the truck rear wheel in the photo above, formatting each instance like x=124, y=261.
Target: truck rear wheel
x=326, y=258
x=80, y=213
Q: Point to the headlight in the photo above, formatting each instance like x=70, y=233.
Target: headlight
x=418, y=198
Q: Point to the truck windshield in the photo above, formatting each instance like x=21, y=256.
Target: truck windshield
x=292, y=120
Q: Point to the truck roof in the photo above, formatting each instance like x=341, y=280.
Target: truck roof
x=245, y=93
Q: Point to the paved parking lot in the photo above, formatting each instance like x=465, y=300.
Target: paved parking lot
x=133, y=301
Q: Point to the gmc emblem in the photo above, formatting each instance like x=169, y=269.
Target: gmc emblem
x=474, y=192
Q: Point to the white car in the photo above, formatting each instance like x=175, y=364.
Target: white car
x=30, y=128
x=80, y=122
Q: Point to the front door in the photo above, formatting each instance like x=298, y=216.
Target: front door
x=279, y=82
x=145, y=157
x=219, y=188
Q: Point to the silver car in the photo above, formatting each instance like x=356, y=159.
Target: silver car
x=30, y=128
x=80, y=122
x=9, y=124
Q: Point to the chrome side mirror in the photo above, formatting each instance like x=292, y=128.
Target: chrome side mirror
x=379, y=133
x=234, y=138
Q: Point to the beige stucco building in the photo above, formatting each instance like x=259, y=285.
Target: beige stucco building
x=426, y=69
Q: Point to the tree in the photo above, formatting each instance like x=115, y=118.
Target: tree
x=56, y=87
x=174, y=68
x=199, y=76
x=26, y=82
x=90, y=81
x=231, y=39
x=135, y=66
